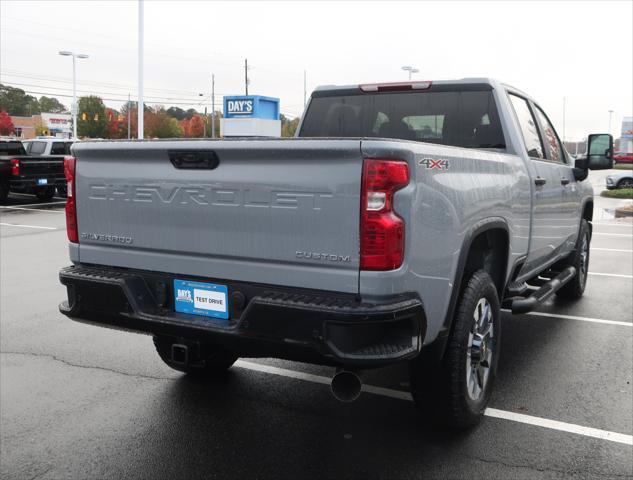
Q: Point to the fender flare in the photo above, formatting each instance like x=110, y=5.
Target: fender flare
x=439, y=344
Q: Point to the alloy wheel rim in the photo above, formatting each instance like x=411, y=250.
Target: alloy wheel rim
x=480, y=350
x=584, y=259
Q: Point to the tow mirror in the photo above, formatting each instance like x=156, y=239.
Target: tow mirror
x=599, y=152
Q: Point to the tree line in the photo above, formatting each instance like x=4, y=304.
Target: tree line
x=95, y=120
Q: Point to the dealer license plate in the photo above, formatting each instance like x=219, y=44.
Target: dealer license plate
x=197, y=298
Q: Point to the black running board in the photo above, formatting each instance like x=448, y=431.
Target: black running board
x=527, y=304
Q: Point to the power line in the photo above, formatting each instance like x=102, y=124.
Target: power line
x=34, y=76
x=10, y=83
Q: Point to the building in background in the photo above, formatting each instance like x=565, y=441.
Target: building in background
x=626, y=136
x=50, y=124
x=250, y=116
x=25, y=126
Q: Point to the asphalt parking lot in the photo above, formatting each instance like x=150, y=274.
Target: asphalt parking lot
x=78, y=401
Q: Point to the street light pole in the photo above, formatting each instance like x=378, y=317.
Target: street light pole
x=141, y=107
x=610, y=113
x=212, y=105
x=410, y=69
x=73, y=108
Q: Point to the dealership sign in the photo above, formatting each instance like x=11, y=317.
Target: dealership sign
x=240, y=107
x=58, y=122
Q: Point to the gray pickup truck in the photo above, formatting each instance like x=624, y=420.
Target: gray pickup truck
x=392, y=229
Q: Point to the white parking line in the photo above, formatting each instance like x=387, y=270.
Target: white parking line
x=618, y=275
x=27, y=226
x=614, y=234
x=581, y=319
x=490, y=412
x=39, y=204
x=611, y=250
x=32, y=209
x=628, y=225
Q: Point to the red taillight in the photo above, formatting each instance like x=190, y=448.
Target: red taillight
x=15, y=167
x=381, y=229
x=71, y=205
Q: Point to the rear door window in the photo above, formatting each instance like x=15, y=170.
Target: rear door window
x=531, y=135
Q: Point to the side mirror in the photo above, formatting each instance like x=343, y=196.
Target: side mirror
x=599, y=152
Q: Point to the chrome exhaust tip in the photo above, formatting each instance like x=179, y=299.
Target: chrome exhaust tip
x=346, y=385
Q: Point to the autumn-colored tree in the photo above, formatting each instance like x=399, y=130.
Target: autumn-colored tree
x=160, y=125
x=288, y=127
x=6, y=124
x=196, y=127
x=184, y=126
x=115, y=126
x=41, y=129
x=91, y=121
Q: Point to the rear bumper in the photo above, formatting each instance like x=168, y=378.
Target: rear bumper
x=30, y=182
x=265, y=321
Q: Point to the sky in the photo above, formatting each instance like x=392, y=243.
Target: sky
x=572, y=57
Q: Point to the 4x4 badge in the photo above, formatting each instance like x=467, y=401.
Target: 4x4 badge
x=432, y=164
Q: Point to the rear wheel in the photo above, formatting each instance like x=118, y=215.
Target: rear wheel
x=202, y=360
x=456, y=392
x=625, y=183
x=579, y=259
x=45, y=194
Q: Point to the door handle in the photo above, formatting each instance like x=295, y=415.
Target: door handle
x=564, y=181
x=538, y=181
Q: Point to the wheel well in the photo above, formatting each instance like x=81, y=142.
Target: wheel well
x=489, y=252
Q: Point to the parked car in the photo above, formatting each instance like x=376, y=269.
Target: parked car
x=392, y=229
x=22, y=173
x=620, y=180
x=49, y=146
x=622, y=157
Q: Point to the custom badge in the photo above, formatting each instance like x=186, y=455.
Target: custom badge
x=433, y=164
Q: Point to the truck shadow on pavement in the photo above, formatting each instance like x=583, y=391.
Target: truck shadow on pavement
x=247, y=424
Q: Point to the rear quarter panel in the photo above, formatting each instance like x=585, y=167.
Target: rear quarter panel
x=441, y=207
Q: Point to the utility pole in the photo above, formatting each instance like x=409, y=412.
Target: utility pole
x=212, y=105
x=304, y=89
x=204, y=124
x=246, y=74
x=141, y=107
x=128, y=116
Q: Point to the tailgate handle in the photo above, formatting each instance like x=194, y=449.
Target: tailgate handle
x=194, y=159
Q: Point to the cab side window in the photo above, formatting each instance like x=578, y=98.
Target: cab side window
x=37, y=148
x=552, y=145
x=531, y=135
x=59, y=148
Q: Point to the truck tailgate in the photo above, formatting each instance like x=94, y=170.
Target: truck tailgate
x=281, y=212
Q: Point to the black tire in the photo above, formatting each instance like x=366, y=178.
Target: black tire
x=62, y=191
x=625, y=183
x=210, y=361
x=4, y=191
x=45, y=194
x=442, y=392
x=579, y=259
